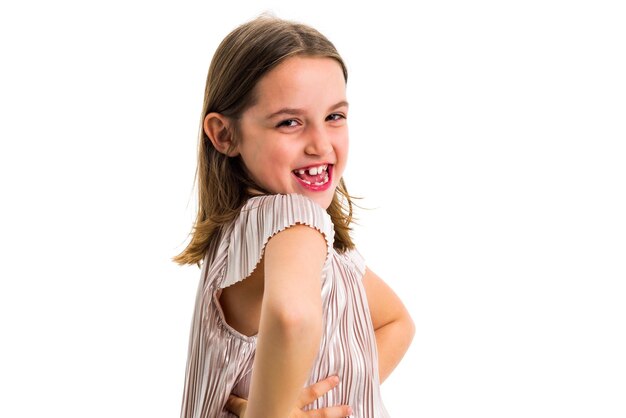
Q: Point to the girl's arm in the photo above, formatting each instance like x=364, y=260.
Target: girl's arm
x=393, y=325
x=290, y=327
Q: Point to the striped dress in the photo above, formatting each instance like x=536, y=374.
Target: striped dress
x=220, y=358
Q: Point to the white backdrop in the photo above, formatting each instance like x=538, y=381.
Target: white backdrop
x=487, y=139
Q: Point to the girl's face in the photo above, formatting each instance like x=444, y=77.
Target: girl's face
x=294, y=139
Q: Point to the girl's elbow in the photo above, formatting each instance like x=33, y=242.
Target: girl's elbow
x=299, y=323
x=410, y=328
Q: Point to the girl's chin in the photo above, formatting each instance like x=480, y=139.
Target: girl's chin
x=322, y=199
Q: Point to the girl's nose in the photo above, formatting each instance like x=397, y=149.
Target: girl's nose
x=318, y=143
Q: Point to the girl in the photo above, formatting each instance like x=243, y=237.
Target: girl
x=285, y=301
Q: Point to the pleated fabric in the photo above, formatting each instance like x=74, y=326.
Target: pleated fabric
x=220, y=358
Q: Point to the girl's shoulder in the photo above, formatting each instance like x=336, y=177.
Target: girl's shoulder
x=260, y=219
x=287, y=201
x=279, y=211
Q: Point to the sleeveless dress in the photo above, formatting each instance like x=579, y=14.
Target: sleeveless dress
x=220, y=358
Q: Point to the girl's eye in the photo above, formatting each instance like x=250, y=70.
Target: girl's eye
x=288, y=123
x=335, y=117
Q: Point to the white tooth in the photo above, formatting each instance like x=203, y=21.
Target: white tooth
x=307, y=182
x=300, y=171
x=325, y=166
x=320, y=169
x=319, y=183
x=313, y=171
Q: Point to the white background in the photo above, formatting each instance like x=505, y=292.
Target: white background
x=487, y=139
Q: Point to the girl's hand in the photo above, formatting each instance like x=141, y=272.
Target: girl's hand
x=238, y=405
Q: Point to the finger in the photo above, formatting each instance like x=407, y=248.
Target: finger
x=311, y=393
x=236, y=405
x=340, y=411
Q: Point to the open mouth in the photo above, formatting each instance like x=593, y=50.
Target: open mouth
x=315, y=177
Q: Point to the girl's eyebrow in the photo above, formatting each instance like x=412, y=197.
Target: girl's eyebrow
x=293, y=111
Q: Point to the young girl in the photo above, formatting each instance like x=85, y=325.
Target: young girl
x=285, y=301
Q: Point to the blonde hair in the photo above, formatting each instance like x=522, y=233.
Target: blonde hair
x=240, y=61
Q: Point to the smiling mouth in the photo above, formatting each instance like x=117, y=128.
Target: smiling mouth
x=314, y=177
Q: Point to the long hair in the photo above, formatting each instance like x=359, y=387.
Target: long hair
x=240, y=61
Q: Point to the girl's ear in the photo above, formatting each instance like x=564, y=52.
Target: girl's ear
x=217, y=127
